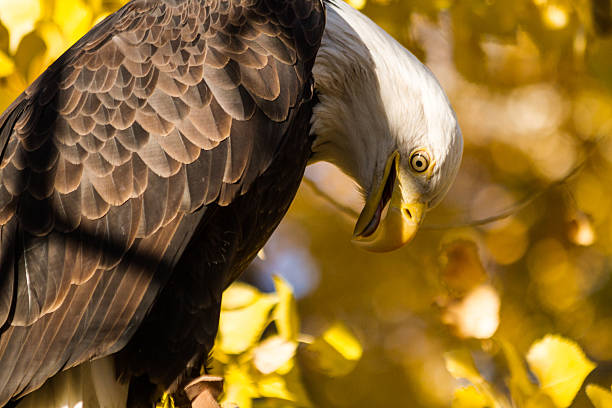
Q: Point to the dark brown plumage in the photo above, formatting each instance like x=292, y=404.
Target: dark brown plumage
x=140, y=174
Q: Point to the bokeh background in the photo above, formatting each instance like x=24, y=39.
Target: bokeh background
x=531, y=82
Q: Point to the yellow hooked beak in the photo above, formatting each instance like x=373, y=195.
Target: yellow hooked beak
x=386, y=222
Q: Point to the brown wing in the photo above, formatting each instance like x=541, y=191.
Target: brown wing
x=164, y=107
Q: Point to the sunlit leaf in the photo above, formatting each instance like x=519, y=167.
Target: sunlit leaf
x=19, y=18
x=14, y=85
x=240, y=389
x=358, y=4
x=560, y=366
x=599, y=396
x=475, y=315
x=336, y=352
x=74, y=17
x=581, y=230
x=274, y=386
x=285, y=314
x=294, y=385
x=555, y=16
x=520, y=386
x=538, y=400
x=273, y=353
x=340, y=338
x=166, y=401
x=460, y=364
x=54, y=40
x=469, y=397
x=7, y=66
x=239, y=329
x=239, y=295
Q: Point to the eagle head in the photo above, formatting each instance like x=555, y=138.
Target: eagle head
x=385, y=121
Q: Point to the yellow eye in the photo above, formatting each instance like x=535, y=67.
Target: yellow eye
x=419, y=161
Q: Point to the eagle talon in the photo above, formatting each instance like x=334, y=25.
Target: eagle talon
x=204, y=391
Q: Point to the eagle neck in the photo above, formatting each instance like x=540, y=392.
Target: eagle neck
x=350, y=120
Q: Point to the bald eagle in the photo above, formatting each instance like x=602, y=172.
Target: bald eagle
x=146, y=167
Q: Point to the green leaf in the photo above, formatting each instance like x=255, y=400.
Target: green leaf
x=285, y=314
x=599, y=396
x=239, y=329
x=469, y=397
x=560, y=366
x=335, y=353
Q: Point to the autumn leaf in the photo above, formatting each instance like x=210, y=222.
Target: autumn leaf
x=336, y=352
x=600, y=397
x=241, y=327
x=285, y=314
x=560, y=366
x=469, y=397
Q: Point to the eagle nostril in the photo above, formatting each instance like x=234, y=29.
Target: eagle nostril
x=408, y=214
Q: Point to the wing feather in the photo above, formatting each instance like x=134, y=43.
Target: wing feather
x=112, y=155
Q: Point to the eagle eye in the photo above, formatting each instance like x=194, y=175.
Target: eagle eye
x=419, y=161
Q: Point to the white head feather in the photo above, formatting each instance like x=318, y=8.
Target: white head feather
x=376, y=97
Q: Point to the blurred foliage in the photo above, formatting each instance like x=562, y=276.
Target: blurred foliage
x=531, y=81
x=559, y=365
x=258, y=344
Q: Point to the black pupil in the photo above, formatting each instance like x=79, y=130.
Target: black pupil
x=418, y=162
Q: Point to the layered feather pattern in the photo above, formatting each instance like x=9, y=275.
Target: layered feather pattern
x=112, y=156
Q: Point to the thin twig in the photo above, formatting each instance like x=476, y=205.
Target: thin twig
x=515, y=208
x=338, y=206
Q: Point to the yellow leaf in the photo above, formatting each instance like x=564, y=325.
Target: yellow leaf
x=538, y=400
x=274, y=386
x=14, y=85
x=53, y=38
x=341, y=339
x=239, y=329
x=560, y=366
x=600, y=397
x=7, y=66
x=288, y=387
x=239, y=295
x=19, y=18
x=73, y=17
x=240, y=388
x=460, y=364
x=469, y=397
x=476, y=315
x=358, y=4
x=335, y=353
x=273, y=353
x=285, y=314
x=520, y=386
x=166, y=401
